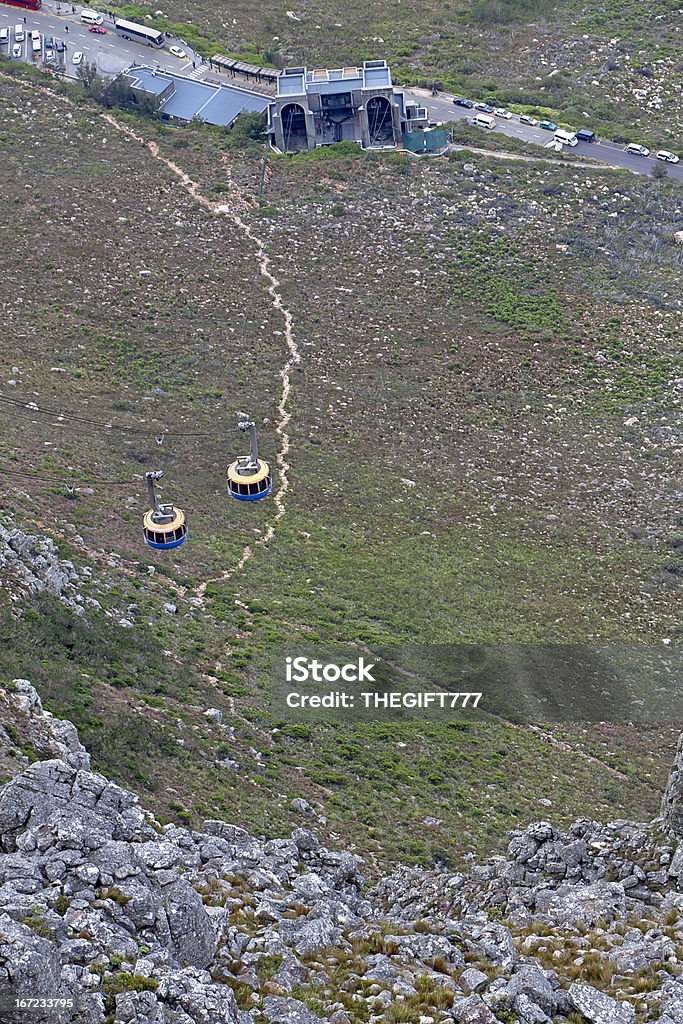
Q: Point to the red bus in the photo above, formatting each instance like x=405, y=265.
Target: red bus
x=31, y=5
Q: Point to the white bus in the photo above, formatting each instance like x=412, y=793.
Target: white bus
x=566, y=138
x=139, y=33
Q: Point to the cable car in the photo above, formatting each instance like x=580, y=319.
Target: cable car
x=164, y=526
x=249, y=478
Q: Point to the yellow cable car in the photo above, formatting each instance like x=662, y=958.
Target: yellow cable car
x=249, y=478
x=163, y=526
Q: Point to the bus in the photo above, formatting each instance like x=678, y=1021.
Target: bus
x=139, y=33
x=31, y=5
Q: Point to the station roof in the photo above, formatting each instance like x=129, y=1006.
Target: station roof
x=375, y=74
x=215, y=104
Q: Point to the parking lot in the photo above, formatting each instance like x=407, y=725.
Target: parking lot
x=106, y=50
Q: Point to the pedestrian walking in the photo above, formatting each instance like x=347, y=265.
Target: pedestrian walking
x=66, y=28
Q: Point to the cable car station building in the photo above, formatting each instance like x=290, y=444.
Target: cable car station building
x=317, y=108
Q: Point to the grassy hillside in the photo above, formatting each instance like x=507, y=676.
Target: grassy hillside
x=482, y=449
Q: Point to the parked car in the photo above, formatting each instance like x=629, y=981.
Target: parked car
x=99, y=30
x=528, y=119
x=18, y=33
x=667, y=156
x=60, y=46
x=502, y=112
x=4, y=36
x=485, y=108
x=78, y=57
x=549, y=126
x=585, y=135
x=49, y=54
x=637, y=150
x=461, y=102
x=49, y=43
x=177, y=51
x=17, y=51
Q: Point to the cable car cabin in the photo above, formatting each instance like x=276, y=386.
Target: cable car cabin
x=249, y=481
x=164, y=529
x=164, y=526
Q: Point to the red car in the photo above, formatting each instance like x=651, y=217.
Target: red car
x=100, y=29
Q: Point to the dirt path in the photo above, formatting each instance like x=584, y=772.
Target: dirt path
x=232, y=210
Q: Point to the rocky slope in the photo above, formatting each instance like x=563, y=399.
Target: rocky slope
x=134, y=921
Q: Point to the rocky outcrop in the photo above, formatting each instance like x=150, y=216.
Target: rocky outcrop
x=140, y=923
x=672, y=805
x=22, y=711
x=31, y=565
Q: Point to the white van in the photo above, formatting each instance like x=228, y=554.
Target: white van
x=566, y=138
x=92, y=17
x=484, y=121
x=18, y=33
x=36, y=42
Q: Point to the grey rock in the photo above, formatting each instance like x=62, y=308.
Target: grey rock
x=230, y=833
x=472, y=1010
x=589, y=904
x=529, y=1012
x=672, y=803
x=597, y=1007
x=530, y=981
x=306, y=934
x=425, y=947
x=281, y=1010
x=473, y=980
x=29, y=964
x=305, y=841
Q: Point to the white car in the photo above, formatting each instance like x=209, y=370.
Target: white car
x=17, y=51
x=49, y=55
x=667, y=156
x=177, y=51
x=77, y=57
x=637, y=150
x=502, y=112
x=528, y=119
x=4, y=36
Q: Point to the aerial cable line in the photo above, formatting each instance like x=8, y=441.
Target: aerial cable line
x=45, y=479
x=102, y=424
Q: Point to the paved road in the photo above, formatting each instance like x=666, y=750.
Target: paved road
x=110, y=53
x=442, y=108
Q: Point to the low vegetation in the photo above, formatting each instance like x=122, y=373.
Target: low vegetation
x=488, y=391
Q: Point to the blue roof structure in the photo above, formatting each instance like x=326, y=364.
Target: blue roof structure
x=185, y=99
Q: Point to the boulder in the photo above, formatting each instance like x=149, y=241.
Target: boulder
x=530, y=981
x=597, y=1007
x=672, y=803
x=282, y=1010
x=472, y=1010
x=588, y=904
